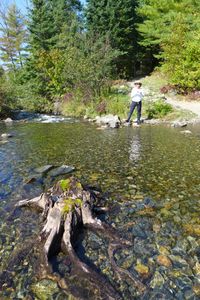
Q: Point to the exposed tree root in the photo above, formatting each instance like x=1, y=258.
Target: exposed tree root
x=67, y=207
x=123, y=272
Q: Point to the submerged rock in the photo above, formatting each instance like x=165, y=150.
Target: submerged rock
x=142, y=269
x=196, y=289
x=163, y=260
x=64, y=169
x=186, y=132
x=44, y=169
x=157, y=281
x=178, y=261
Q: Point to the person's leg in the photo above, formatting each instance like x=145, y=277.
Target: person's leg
x=133, y=105
x=139, y=109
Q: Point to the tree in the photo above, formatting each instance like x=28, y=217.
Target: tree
x=13, y=37
x=117, y=21
x=47, y=20
x=41, y=26
x=173, y=27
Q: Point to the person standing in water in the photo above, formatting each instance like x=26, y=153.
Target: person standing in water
x=136, y=101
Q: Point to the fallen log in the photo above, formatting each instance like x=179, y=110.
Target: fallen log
x=66, y=207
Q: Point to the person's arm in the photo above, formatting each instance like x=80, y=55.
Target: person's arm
x=133, y=93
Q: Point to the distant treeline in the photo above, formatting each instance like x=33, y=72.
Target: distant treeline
x=62, y=50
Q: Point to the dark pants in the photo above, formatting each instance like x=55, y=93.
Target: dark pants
x=132, y=108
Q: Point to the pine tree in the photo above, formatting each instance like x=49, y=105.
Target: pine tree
x=41, y=25
x=47, y=20
x=173, y=27
x=49, y=23
x=13, y=38
x=116, y=20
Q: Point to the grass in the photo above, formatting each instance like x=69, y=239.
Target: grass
x=117, y=102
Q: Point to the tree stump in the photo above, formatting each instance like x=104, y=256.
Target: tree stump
x=66, y=207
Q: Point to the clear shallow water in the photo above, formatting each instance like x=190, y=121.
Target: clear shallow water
x=131, y=164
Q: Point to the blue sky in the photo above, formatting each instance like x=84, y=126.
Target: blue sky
x=23, y=4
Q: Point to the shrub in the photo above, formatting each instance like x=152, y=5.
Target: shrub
x=158, y=109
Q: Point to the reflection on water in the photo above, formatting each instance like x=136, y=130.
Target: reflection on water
x=152, y=172
x=135, y=147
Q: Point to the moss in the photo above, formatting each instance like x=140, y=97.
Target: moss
x=64, y=184
x=71, y=204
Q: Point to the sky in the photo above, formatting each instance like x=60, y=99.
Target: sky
x=23, y=4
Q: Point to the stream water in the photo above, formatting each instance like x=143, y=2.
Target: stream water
x=151, y=179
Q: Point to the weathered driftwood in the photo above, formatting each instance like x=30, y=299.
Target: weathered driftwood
x=65, y=207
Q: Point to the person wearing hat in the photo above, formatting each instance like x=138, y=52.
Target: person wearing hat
x=136, y=101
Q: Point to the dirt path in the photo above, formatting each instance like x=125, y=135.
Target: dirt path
x=192, y=106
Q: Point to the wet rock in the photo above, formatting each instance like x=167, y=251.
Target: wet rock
x=189, y=294
x=158, y=294
x=157, y=281
x=8, y=120
x=164, y=261
x=44, y=169
x=157, y=227
x=196, y=289
x=179, y=124
x=109, y=120
x=163, y=250
x=144, y=247
x=141, y=268
x=178, y=261
x=153, y=121
x=3, y=142
x=128, y=262
x=64, y=169
x=179, y=295
x=180, y=247
x=34, y=179
x=196, y=268
x=186, y=132
x=184, y=283
x=6, y=135
x=139, y=232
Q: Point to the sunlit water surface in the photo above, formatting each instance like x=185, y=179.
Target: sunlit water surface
x=159, y=165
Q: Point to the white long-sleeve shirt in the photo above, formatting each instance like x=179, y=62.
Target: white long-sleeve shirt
x=136, y=95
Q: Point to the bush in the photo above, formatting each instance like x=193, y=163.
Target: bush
x=158, y=109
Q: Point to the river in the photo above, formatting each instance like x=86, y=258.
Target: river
x=151, y=179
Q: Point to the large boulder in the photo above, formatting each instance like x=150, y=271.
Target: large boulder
x=110, y=121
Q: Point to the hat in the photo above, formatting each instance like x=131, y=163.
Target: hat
x=137, y=83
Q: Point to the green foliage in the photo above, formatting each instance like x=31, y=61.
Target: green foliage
x=71, y=204
x=12, y=38
x=158, y=109
x=116, y=20
x=64, y=184
x=171, y=28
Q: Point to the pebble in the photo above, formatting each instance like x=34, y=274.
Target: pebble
x=142, y=269
x=164, y=261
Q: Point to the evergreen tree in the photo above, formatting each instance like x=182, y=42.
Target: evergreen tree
x=116, y=20
x=41, y=25
x=47, y=20
x=49, y=26
x=13, y=37
x=173, y=27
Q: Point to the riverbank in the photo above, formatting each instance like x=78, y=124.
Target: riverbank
x=159, y=104
x=185, y=107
